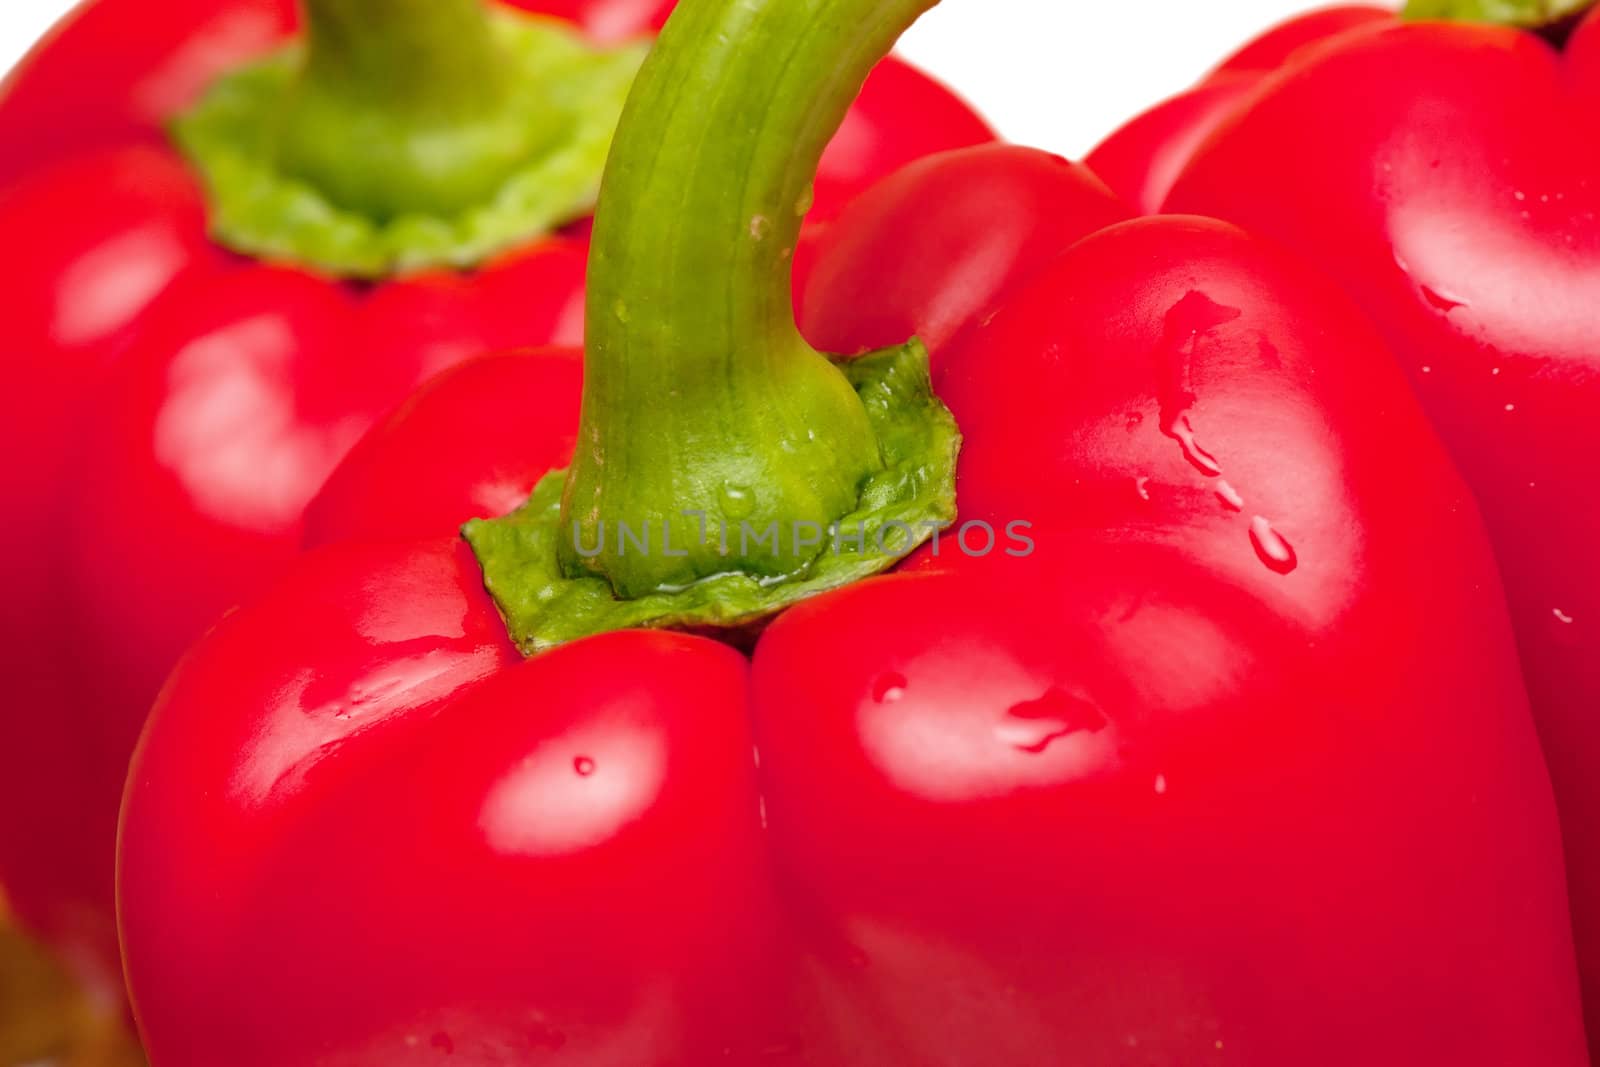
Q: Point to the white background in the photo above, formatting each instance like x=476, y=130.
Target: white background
x=1059, y=74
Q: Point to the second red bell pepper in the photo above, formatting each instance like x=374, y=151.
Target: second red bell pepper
x=1448, y=176
x=1200, y=739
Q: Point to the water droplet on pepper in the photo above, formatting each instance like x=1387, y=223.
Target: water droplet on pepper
x=738, y=502
x=1193, y=317
x=1035, y=725
x=1273, y=548
x=889, y=688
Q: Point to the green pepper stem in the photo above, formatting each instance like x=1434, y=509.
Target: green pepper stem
x=1543, y=15
x=403, y=107
x=703, y=406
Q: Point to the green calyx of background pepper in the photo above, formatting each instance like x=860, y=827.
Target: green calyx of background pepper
x=407, y=134
x=1524, y=14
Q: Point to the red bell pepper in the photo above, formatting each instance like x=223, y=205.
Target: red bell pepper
x=179, y=400
x=1448, y=175
x=1210, y=746
x=1143, y=159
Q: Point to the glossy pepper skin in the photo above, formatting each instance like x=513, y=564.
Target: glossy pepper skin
x=1448, y=175
x=1235, y=768
x=1144, y=158
x=172, y=407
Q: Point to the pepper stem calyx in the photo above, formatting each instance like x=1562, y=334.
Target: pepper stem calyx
x=725, y=469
